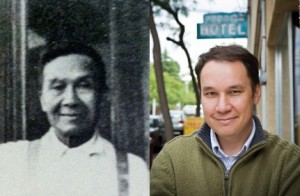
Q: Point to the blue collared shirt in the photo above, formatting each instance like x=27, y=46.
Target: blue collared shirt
x=226, y=159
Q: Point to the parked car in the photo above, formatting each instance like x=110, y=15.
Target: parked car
x=156, y=133
x=177, y=118
x=190, y=110
x=154, y=123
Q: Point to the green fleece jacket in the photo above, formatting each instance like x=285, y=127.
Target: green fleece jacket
x=187, y=166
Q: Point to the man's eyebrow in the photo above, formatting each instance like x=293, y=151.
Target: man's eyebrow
x=54, y=80
x=236, y=87
x=80, y=78
x=207, y=88
x=86, y=77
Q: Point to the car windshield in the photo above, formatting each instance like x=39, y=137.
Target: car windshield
x=153, y=122
x=176, y=116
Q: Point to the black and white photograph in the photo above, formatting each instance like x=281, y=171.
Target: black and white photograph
x=74, y=97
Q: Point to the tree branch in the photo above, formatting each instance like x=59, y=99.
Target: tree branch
x=174, y=41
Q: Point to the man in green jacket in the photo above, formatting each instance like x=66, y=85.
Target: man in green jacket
x=231, y=154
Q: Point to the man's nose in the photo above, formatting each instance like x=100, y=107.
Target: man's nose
x=223, y=104
x=70, y=96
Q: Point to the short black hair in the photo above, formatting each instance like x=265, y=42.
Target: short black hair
x=58, y=49
x=231, y=53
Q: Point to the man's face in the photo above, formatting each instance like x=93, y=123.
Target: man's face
x=227, y=98
x=68, y=95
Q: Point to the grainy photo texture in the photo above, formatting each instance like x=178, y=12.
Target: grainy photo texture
x=74, y=97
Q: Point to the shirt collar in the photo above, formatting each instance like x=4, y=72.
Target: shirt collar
x=217, y=148
x=58, y=149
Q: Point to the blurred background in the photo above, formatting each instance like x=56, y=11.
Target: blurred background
x=181, y=31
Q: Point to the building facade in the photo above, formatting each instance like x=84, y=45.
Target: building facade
x=274, y=37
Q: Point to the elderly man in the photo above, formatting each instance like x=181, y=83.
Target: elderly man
x=71, y=158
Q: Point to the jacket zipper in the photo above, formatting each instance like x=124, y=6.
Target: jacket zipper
x=226, y=179
x=227, y=172
x=254, y=148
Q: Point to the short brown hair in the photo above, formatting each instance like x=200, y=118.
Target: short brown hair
x=230, y=53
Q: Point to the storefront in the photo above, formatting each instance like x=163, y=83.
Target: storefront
x=274, y=37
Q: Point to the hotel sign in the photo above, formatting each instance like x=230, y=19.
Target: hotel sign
x=223, y=25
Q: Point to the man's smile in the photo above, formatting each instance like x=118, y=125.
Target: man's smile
x=225, y=120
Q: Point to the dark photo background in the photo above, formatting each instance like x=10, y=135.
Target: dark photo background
x=117, y=29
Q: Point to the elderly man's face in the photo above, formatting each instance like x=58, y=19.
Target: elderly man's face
x=69, y=95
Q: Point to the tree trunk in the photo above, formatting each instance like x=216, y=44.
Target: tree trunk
x=194, y=80
x=166, y=6
x=159, y=78
x=182, y=45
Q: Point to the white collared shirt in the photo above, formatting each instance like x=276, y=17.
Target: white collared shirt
x=227, y=160
x=89, y=169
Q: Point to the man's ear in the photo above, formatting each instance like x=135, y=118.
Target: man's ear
x=42, y=101
x=257, y=93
